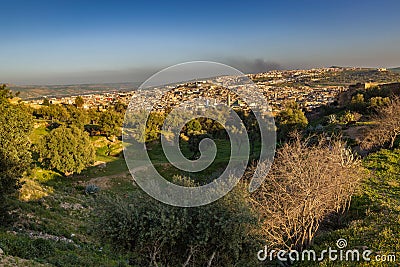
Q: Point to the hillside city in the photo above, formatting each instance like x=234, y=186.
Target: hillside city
x=309, y=88
x=74, y=160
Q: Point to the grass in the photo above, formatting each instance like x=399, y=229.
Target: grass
x=38, y=132
x=64, y=213
x=373, y=221
x=111, y=154
x=57, y=206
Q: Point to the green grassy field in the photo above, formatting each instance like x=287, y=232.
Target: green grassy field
x=373, y=221
x=57, y=206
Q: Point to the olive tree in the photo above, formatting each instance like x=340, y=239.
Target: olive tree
x=67, y=150
x=16, y=124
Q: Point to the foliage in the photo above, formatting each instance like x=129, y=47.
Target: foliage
x=290, y=119
x=347, y=117
x=358, y=102
x=377, y=102
x=79, y=102
x=67, y=150
x=332, y=119
x=194, y=144
x=33, y=190
x=46, y=102
x=77, y=117
x=15, y=157
x=159, y=234
x=120, y=107
x=110, y=123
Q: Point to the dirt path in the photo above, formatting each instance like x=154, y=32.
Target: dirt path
x=105, y=182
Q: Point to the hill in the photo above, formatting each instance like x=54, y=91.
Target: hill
x=395, y=69
x=38, y=91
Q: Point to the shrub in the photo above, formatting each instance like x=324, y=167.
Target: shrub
x=219, y=234
x=309, y=180
x=386, y=129
x=67, y=150
x=91, y=189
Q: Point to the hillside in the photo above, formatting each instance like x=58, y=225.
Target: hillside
x=395, y=69
x=38, y=91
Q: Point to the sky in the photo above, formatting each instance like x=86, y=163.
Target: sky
x=68, y=42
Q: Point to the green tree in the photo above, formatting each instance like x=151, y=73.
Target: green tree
x=5, y=93
x=79, y=102
x=219, y=234
x=67, y=150
x=358, y=102
x=15, y=157
x=154, y=125
x=77, y=117
x=120, y=107
x=347, y=117
x=193, y=126
x=110, y=123
x=55, y=113
x=194, y=143
x=46, y=102
x=93, y=116
x=291, y=118
x=134, y=126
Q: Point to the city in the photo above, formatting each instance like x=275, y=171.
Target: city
x=200, y=133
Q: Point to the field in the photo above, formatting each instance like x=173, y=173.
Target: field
x=56, y=216
x=373, y=221
x=55, y=219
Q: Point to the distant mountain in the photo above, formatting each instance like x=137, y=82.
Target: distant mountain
x=395, y=69
x=38, y=91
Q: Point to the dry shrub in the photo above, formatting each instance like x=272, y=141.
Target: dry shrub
x=309, y=180
x=386, y=128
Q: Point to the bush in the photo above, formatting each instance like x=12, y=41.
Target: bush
x=221, y=233
x=67, y=150
x=24, y=247
x=91, y=189
x=309, y=180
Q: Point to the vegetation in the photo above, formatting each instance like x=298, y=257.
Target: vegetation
x=317, y=190
x=15, y=156
x=219, y=234
x=67, y=150
x=291, y=118
x=309, y=180
x=373, y=220
x=79, y=102
x=110, y=123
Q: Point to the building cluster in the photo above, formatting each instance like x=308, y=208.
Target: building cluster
x=276, y=86
x=99, y=101
x=307, y=97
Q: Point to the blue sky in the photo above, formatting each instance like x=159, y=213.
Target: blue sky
x=58, y=42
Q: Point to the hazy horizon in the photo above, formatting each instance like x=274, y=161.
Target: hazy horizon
x=149, y=74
